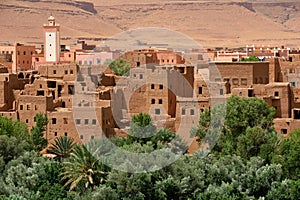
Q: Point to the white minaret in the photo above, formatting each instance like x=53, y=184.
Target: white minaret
x=51, y=45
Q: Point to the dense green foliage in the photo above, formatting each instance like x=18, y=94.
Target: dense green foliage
x=62, y=147
x=120, y=67
x=252, y=58
x=249, y=161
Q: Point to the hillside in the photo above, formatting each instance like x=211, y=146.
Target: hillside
x=211, y=23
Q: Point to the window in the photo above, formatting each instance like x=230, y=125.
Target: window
x=77, y=121
x=54, y=71
x=18, y=52
x=41, y=86
x=183, y=111
x=138, y=64
x=235, y=81
x=71, y=71
x=152, y=101
x=66, y=134
x=26, y=121
x=192, y=112
x=134, y=75
x=92, y=137
x=161, y=87
x=91, y=62
x=50, y=54
x=55, y=133
x=65, y=120
x=293, y=84
x=69, y=55
x=199, y=90
x=152, y=86
x=24, y=53
x=21, y=107
x=141, y=76
x=276, y=94
x=244, y=81
x=28, y=107
x=98, y=61
x=160, y=101
x=94, y=121
x=66, y=71
x=221, y=92
x=81, y=137
x=86, y=121
x=53, y=120
x=217, y=80
x=157, y=111
x=284, y=131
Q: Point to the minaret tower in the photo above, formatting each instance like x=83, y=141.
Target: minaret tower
x=51, y=45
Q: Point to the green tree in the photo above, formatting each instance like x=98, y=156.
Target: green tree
x=256, y=142
x=241, y=113
x=141, y=128
x=251, y=58
x=289, y=155
x=37, y=132
x=120, y=67
x=62, y=147
x=15, y=129
x=82, y=168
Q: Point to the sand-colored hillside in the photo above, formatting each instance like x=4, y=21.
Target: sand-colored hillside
x=211, y=23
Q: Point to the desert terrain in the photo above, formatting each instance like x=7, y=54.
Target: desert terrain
x=222, y=23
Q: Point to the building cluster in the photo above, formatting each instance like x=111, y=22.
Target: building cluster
x=84, y=100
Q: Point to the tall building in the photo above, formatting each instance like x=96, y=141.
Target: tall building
x=52, y=44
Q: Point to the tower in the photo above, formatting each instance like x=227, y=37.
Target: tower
x=51, y=45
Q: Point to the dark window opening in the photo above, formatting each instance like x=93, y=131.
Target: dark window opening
x=55, y=133
x=152, y=86
x=40, y=93
x=221, y=92
x=94, y=122
x=81, y=137
x=65, y=120
x=296, y=114
x=54, y=71
x=21, y=107
x=66, y=134
x=284, y=131
x=199, y=90
x=192, y=112
x=161, y=87
x=86, y=121
x=92, y=137
x=66, y=71
x=152, y=101
x=71, y=89
x=53, y=120
x=250, y=93
x=63, y=104
x=183, y=111
x=157, y=111
x=276, y=94
x=141, y=76
x=77, y=121
x=138, y=64
x=59, y=89
x=160, y=101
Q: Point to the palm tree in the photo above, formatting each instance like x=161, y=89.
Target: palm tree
x=82, y=168
x=62, y=148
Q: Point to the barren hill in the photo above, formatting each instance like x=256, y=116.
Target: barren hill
x=211, y=23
